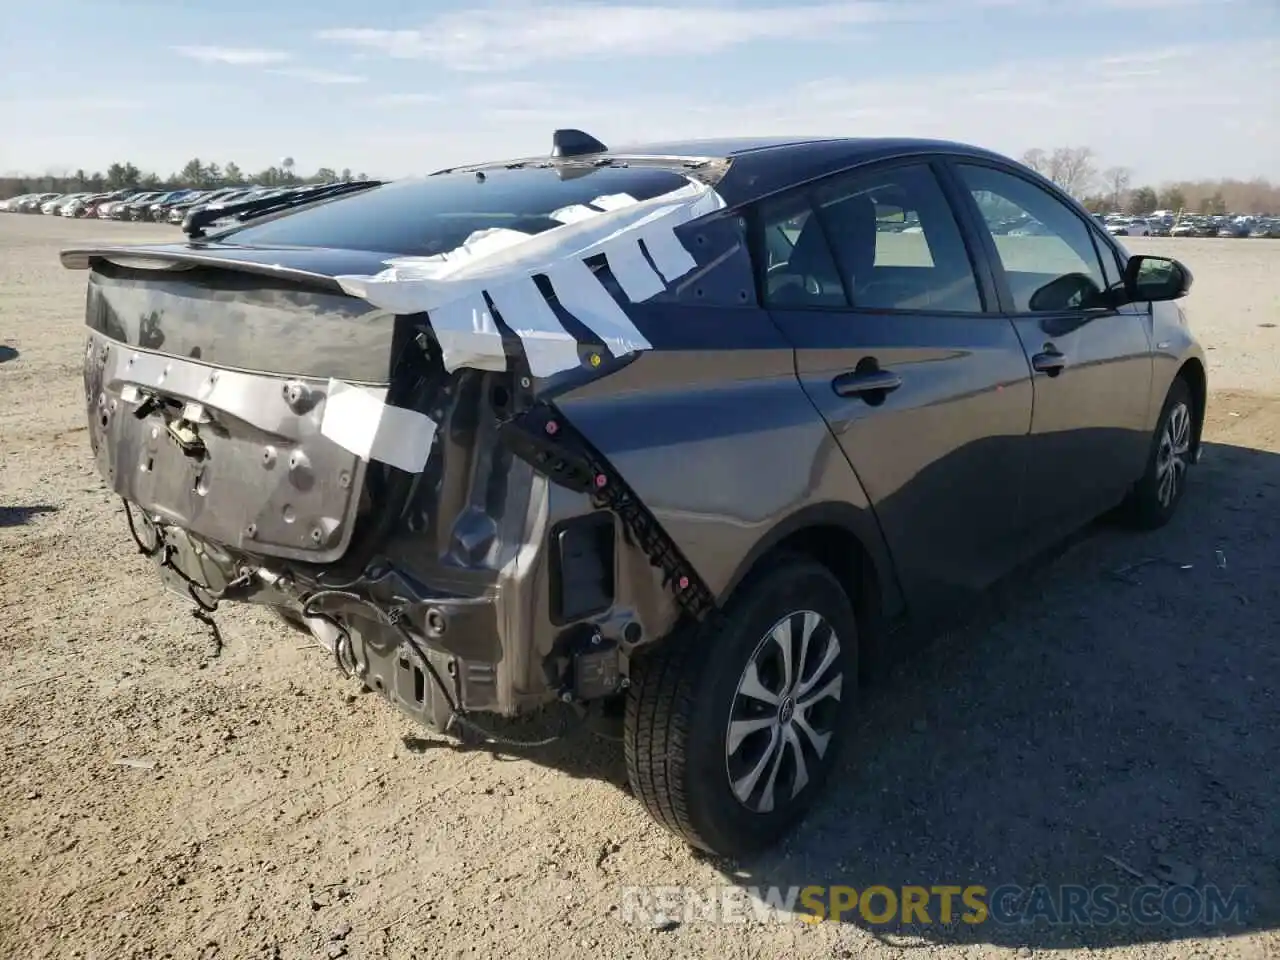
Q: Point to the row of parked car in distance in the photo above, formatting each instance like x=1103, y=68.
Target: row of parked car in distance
x=158, y=206
x=1191, y=225
x=173, y=206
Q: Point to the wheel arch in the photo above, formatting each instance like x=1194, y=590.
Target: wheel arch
x=1192, y=372
x=847, y=542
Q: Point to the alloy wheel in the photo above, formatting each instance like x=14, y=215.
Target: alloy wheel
x=1171, y=456
x=784, y=712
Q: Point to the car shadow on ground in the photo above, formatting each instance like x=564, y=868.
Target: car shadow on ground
x=7, y=353
x=17, y=516
x=1107, y=720
x=1104, y=722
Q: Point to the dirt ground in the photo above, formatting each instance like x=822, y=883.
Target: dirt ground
x=1088, y=724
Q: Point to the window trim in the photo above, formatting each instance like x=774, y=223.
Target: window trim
x=978, y=223
x=980, y=268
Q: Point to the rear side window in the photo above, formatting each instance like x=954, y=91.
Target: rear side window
x=897, y=242
x=799, y=269
x=430, y=215
x=879, y=240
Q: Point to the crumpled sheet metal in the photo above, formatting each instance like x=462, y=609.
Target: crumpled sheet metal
x=451, y=287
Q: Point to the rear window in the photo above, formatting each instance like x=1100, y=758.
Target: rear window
x=431, y=215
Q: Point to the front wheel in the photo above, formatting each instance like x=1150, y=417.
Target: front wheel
x=729, y=738
x=1155, y=497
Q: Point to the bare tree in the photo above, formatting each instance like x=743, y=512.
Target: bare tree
x=1118, y=180
x=1072, y=169
x=1036, y=159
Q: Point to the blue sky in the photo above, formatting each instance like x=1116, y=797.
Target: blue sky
x=1171, y=88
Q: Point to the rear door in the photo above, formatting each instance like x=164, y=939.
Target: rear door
x=1092, y=361
x=926, y=390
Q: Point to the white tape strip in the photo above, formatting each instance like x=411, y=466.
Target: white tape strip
x=357, y=419
x=548, y=345
x=467, y=334
x=638, y=280
x=668, y=253
x=579, y=292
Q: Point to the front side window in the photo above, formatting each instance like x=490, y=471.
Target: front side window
x=1045, y=249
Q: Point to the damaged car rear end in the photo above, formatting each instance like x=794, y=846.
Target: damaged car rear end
x=430, y=421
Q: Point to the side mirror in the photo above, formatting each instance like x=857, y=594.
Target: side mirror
x=1155, y=278
x=1067, y=292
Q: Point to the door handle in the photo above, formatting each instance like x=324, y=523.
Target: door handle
x=1051, y=361
x=857, y=383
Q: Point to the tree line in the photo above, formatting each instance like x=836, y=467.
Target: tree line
x=1075, y=169
x=1111, y=190
x=196, y=174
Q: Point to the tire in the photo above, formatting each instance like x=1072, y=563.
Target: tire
x=1152, y=503
x=684, y=694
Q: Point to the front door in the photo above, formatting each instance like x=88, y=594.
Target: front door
x=926, y=391
x=1091, y=361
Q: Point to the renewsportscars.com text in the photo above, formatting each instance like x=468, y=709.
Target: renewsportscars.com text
x=1008, y=904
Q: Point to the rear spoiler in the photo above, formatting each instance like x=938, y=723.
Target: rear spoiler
x=178, y=258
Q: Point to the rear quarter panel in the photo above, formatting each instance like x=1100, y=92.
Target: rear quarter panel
x=716, y=436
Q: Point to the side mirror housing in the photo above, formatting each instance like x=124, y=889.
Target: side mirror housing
x=1155, y=278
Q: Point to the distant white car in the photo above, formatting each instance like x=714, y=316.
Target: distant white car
x=1129, y=228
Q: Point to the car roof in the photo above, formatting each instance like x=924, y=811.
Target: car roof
x=745, y=169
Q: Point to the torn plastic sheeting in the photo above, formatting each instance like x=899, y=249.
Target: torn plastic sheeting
x=614, y=201
x=498, y=258
x=357, y=419
x=574, y=213
x=593, y=208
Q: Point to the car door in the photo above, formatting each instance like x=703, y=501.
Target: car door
x=926, y=390
x=1091, y=361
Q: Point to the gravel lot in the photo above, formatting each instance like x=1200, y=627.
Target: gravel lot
x=1082, y=722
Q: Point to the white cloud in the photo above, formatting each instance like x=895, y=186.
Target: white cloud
x=406, y=99
x=515, y=35
x=1169, y=113
x=319, y=76
x=504, y=38
x=492, y=97
x=237, y=56
x=87, y=105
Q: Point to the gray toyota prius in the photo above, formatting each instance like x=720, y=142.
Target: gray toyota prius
x=683, y=432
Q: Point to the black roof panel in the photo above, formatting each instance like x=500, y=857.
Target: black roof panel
x=745, y=169
x=718, y=147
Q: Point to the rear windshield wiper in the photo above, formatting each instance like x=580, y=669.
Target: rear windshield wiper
x=196, y=221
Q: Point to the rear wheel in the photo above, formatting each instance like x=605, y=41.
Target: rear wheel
x=730, y=738
x=1156, y=496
